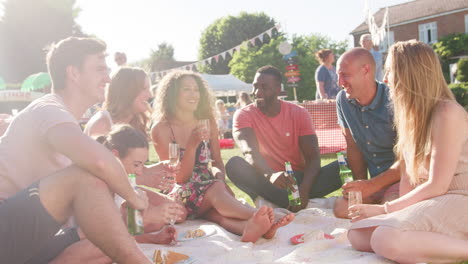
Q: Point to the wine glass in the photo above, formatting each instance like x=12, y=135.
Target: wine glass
x=204, y=125
x=174, y=196
x=174, y=157
x=354, y=197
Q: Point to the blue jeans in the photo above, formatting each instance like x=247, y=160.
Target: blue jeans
x=246, y=178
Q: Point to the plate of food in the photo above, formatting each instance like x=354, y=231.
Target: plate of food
x=195, y=233
x=162, y=256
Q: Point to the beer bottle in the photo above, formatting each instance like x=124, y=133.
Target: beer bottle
x=345, y=173
x=134, y=217
x=293, y=197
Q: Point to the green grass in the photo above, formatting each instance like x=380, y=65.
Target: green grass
x=226, y=154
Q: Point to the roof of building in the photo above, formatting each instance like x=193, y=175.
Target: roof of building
x=414, y=10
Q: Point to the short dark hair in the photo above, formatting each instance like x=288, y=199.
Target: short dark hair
x=70, y=51
x=271, y=70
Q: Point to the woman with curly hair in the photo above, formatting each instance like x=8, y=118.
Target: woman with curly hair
x=182, y=99
x=428, y=222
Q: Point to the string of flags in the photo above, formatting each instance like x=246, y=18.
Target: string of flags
x=217, y=57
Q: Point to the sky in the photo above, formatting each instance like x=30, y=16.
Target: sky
x=138, y=26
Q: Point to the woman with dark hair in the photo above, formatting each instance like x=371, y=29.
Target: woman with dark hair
x=325, y=75
x=130, y=146
x=182, y=100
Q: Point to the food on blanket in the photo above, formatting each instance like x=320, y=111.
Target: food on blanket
x=161, y=256
x=315, y=235
x=195, y=233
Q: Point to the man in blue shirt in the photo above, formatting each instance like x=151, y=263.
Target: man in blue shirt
x=365, y=116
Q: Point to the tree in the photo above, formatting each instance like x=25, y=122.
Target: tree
x=228, y=32
x=244, y=64
x=449, y=47
x=27, y=28
x=159, y=58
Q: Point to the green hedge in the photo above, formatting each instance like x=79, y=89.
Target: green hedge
x=460, y=90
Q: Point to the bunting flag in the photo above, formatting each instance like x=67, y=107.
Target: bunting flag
x=223, y=54
x=261, y=37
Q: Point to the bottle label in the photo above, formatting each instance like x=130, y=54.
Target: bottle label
x=341, y=160
x=138, y=219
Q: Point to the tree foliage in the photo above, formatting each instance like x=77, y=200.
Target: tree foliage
x=244, y=64
x=449, y=47
x=228, y=32
x=462, y=70
x=27, y=28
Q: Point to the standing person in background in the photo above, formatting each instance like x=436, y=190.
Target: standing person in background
x=51, y=171
x=325, y=75
x=222, y=119
x=427, y=224
x=366, y=43
x=244, y=100
x=120, y=59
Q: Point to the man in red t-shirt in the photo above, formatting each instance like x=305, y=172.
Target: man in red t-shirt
x=270, y=132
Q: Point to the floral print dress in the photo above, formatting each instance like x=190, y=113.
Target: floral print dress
x=192, y=192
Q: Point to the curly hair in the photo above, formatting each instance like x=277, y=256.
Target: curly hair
x=168, y=91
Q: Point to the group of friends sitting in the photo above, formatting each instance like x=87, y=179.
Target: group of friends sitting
x=408, y=133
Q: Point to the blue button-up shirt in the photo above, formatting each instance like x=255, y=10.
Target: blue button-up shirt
x=371, y=127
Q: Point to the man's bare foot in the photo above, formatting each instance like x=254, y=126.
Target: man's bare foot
x=258, y=224
x=282, y=222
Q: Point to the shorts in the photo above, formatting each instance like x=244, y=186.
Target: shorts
x=28, y=233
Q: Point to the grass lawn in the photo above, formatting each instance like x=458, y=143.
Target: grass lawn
x=226, y=154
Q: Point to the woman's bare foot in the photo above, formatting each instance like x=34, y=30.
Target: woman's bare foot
x=282, y=222
x=258, y=224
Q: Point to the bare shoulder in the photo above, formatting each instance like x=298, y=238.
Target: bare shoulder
x=99, y=124
x=451, y=117
x=450, y=110
x=159, y=130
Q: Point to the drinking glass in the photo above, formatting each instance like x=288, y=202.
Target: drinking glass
x=174, y=196
x=174, y=158
x=354, y=197
x=204, y=125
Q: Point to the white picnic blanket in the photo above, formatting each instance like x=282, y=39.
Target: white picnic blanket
x=224, y=247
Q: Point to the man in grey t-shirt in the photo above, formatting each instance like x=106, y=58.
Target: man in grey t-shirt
x=366, y=43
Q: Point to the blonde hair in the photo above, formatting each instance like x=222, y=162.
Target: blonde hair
x=125, y=86
x=416, y=87
x=168, y=91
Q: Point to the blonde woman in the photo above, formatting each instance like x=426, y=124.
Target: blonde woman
x=428, y=223
x=182, y=99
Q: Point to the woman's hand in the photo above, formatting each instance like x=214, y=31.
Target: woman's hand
x=362, y=211
x=160, y=176
x=166, y=211
x=163, y=237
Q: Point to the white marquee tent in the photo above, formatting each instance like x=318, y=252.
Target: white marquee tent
x=226, y=84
